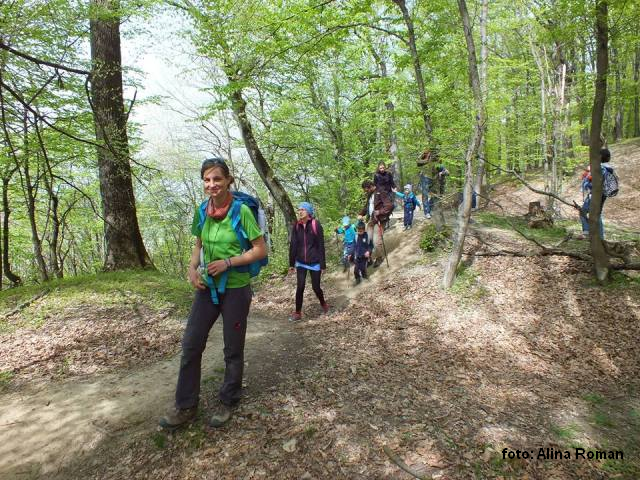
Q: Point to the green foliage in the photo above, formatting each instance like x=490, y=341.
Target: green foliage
x=433, y=239
x=159, y=291
x=5, y=379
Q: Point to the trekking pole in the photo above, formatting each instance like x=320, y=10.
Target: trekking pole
x=384, y=248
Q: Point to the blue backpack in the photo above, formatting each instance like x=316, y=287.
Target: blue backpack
x=239, y=198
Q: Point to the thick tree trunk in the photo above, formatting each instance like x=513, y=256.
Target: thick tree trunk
x=259, y=161
x=464, y=211
x=417, y=67
x=124, y=246
x=600, y=257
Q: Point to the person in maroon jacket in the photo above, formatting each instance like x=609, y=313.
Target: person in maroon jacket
x=376, y=211
x=306, y=254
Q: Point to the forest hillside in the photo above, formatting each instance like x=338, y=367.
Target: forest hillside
x=523, y=353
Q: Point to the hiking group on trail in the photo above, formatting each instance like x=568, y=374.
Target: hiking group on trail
x=230, y=248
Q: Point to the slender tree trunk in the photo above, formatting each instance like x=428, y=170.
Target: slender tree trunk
x=464, y=211
x=484, y=15
x=257, y=158
x=54, y=201
x=417, y=67
x=30, y=192
x=392, y=139
x=6, y=264
x=636, y=97
x=600, y=258
x=618, y=120
x=124, y=246
x=543, y=117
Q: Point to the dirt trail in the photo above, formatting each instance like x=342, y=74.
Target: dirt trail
x=44, y=427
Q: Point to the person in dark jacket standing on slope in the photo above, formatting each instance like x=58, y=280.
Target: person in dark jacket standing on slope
x=376, y=211
x=383, y=180
x=306, y=254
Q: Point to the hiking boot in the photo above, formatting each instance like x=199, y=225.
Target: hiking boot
x=357, y=281
x=178, y=417
x=377, y=262
x=428, y=215
x=295, y=316
x=221, y=415
x=325, y=307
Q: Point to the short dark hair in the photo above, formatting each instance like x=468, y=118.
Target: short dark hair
x=367, y=184
x=214, y=162
x=605, y=155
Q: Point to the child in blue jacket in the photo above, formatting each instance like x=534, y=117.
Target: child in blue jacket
x=361, y=252
x=349, y=232
x=410, y=202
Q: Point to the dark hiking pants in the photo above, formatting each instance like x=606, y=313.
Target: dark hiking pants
x=301, y=275
x=234, y=307
x=408, y=216
x=360, y=269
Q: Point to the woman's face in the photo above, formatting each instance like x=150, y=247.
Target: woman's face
x=216, y=185
x=381, y=168
x=302, y=214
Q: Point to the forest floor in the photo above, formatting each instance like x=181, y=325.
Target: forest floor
x=523, y=353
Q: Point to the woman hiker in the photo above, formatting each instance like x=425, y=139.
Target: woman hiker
x=221, y=254
x=306, y=254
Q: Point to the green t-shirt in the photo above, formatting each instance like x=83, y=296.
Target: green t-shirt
x=219, y=241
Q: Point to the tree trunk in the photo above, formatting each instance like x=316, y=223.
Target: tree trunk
x=543, y=117
x=600, y=257
x=636, y=99
x=484, y=15
x=417, y=67
x=392, y=139
x=30, y=192
x=124, y=246
x=257, y=158
x=12, y=277
x=618, y=120
x=464, y=211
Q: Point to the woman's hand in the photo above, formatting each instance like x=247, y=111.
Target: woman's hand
x=195, y=279
x=216, y=267
x=292, y=270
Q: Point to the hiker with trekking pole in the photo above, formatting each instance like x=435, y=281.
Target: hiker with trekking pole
x=376, y=211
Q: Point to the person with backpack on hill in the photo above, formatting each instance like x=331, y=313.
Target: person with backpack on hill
x=229, y=249
x=306, y=254
x=376, y=211
x=410, y=202
x=349, y=232
x=361, y=253
x=610, y=187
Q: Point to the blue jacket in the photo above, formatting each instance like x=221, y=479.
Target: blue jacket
x=363, y=245
x=349, y=233
x=409, y=200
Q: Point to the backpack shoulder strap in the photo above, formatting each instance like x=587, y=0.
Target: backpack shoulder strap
x=314, y=226
x=202, y=212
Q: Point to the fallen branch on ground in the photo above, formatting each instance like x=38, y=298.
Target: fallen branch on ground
x=24, y=305
x=398, y=461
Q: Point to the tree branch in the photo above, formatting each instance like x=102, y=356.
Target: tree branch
x=39, y=61
x=398, y=461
